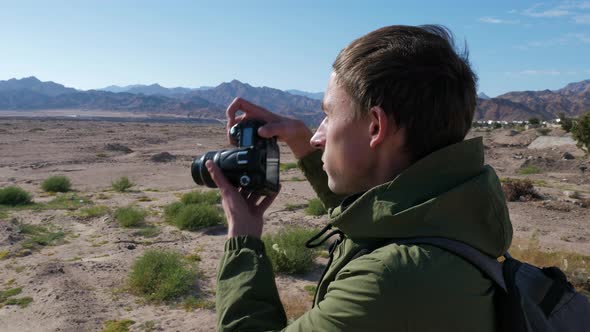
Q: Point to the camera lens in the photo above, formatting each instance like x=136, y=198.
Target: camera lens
x=199, y=171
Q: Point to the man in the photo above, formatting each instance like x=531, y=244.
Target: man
x=398, y=105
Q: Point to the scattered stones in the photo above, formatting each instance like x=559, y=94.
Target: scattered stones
x=557, y=206
x=154, y=140
x=163, y=157
x=24, y=253
x=517, y=156
x=117, y=147
x=572, y=194
x=568, y=156
x=512, y=133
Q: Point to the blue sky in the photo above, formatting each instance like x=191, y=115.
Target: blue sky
x=514, y=45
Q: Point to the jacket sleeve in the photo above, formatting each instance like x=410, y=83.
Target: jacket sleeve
x=247, y=297
x=311, y=165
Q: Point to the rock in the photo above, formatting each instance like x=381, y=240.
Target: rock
x=131, y=246
x=572, y=194
x=568, y=156
x=117, y=147
x=24, y=253
x=163, y=157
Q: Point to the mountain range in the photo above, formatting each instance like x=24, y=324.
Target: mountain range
x=210, y=102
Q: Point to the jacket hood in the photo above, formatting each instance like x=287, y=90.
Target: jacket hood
x=449, y=193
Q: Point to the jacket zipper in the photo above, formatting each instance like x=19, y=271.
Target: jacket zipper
x=332, y=248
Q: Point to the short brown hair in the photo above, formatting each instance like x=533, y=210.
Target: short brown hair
x=416, y=75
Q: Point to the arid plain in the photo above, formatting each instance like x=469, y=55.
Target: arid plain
x=79, y=284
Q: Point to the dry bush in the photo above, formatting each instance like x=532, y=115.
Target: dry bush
x=295, y=305
x=519, y=190
x=122, y=184
x=574, y=265
x=557, y=206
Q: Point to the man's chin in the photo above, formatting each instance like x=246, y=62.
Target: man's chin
x=336, y=189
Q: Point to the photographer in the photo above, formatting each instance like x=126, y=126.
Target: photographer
x=391, y=162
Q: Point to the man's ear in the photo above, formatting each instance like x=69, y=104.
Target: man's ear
x=380, y=126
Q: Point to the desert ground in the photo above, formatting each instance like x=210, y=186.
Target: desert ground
x=79, y=284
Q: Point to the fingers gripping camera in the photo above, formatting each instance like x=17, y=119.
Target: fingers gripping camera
x=253, y=165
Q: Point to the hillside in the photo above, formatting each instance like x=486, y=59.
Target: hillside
x=209, y=102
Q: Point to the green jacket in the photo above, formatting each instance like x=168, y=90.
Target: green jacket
x=450, y=193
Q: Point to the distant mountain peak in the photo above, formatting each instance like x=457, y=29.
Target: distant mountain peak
x=482, y=95
x=33, y=84
x=29, y=79
x=238, y=83
x=576, y=87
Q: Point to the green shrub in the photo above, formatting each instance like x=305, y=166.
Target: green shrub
x=56, y=184
x=544, y=131
x=93, y=211
x=581, y=132
x=122, y=184
x=161, y=275
x=4, y=295
x=315, y=207
x=130, y=216
x=67, y=201
x=566, y=123
x=44, y=239
x=148, y=231
x=310, y=289
x=287, y=252
x=287, y=166
x=534, y=121
x=196, y=216
x=171, y=211
x=196, y=197
x=117, y=325
x=191, y=303
x=529, y=170
x=293, y=207
x=6, y=298
x=14, y=196
x=37, y=235
x=22, y=302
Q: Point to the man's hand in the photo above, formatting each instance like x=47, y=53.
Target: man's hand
x=291, y=131
x=242, y=210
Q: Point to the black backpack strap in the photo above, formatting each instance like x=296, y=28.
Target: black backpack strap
x=488, y=265
x=558, y=287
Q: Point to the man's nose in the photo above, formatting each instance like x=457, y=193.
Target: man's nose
x=318, y=140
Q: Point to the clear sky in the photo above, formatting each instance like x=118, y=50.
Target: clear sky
x=514, y=45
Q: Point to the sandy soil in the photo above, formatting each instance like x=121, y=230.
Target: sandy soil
x=77, y=286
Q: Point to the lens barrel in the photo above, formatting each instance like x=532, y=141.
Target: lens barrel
x=199, y=171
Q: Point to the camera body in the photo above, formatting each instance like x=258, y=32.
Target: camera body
x=253, y=165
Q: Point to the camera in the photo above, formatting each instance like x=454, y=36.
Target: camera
x=253, y=165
